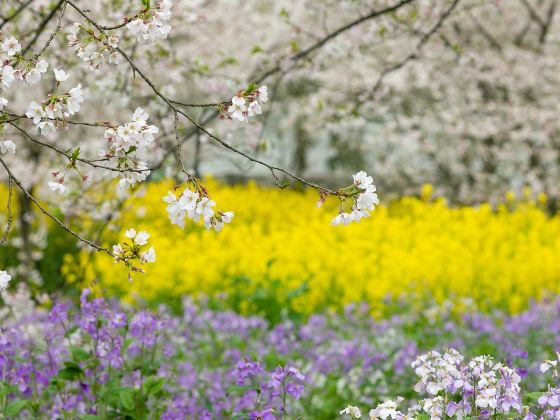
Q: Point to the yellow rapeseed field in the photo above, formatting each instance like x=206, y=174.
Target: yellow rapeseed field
x=417, y=247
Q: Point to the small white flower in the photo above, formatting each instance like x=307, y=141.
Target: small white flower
x=227, y=216
x=237, y=108
x=387, y=410
x=149, y=255
x=342, y=219
x=33, y=76
x=42, y=66
x=8, y=75
x=141, y=238
x=113, y=41
x=75, y=99
x=254, y=109
x=118, y=249
x=58, y=187
x=357, y=215
x=352, y=411
x=362, y=180
x=140, y=115
x=4, y=280
x=7, y=146
x=130, y=233
x=60, y=75
x=263, y=93
x=367, y=201
x=547, y=365
x=188, y=200
x=35, y=112
x=204, y=209
x=3, y=103
x=11, y=46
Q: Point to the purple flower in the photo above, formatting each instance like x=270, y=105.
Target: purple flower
x=262, y=415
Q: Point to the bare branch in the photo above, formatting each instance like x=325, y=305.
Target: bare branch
x=42, y=26
x=16, y=13
x=48, y=214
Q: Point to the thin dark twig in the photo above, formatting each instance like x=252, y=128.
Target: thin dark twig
x=68, y=156
x=43, y=25
x=53, y=33
x=16, y=13
x=197, y=125
x=51, y=216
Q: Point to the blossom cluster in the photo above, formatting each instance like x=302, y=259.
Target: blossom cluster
x=196, y=205
x=14, y=66
x=152, y=24
x=92, y=47
x=134, y=251
x=482, y=388
x=58, y=107
x=238, y=109
x=128, y=144
x=363, y=198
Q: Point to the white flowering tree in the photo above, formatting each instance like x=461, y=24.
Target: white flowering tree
x=137, y=90
x=76, y=81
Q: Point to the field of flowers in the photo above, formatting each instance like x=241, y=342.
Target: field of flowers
x=103, y=360
x=282, y=254
x=424, y=310
x=279, y=210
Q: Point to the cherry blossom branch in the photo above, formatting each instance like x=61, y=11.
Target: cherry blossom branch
x=175, y=110
x=210, y=105
x=69, y=156
x=49, y=215
x=270, y=167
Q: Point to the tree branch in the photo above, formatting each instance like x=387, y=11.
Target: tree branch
x=51, y=216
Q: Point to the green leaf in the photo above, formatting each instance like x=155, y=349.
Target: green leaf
x=241, y=389
x=16, y=407
x=250, y=89
x=126, y=398
x=71, y=331
x=71, y=364
x=534, y=395
x=70, y=373
x=91, y=417
x=75, y=155
x=79, y=355
x=423, y=416
x=153, y=385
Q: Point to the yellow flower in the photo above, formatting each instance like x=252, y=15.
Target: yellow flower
x=280, y=241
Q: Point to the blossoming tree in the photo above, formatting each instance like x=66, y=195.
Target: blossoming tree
x=137, y=90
